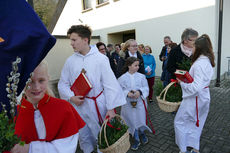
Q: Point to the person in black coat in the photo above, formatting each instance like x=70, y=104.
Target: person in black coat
x=102, y=48
x=130, y=49
x=165, y=75
x=163, y=54
x=115, y=59
x=181, y=52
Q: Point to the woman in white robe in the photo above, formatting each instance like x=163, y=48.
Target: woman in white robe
x=188, y=125
x=133, y=82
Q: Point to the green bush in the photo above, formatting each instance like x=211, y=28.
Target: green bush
x=7, y=137
x=174, y=93
x=112, y=134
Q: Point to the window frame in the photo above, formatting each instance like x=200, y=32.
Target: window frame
x=84, y=9
x=101, y=4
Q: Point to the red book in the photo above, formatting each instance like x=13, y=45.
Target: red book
x=183, y=76
x=81, y=85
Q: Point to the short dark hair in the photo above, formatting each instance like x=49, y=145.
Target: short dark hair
x=110, y=45
x=83, y=31
x=128, y=62
x=118, y=45
x=99, y=44
x=172, y=45
x=167, y=37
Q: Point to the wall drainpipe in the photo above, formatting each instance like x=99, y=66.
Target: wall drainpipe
x=219, y=42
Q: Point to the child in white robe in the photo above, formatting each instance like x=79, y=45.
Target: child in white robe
x=135, y=88
x=193, y=111
x=106, y=93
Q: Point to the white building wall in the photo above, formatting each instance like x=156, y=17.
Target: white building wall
x=225, y=37
x=57, y=56
x=151, y=20
x=151, y=32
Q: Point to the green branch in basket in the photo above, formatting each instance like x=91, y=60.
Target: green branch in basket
x=185, y=64
x=174, y=93
x=112, y=134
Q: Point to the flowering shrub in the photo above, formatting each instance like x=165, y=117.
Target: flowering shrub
x=7, y=124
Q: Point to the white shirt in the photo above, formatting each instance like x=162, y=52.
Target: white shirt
x=65, y=145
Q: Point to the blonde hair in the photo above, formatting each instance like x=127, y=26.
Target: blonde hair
x=44, y=66
x=48, y=89
x=127, y=44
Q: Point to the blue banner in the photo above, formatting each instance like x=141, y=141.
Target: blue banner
x=22, y=34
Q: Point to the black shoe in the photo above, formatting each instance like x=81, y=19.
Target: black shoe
x=150, y=101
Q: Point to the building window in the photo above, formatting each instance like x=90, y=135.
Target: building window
x=86, y=4
x=101, y=1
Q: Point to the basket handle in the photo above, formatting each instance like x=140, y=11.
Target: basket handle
x=105, y=124
x=165, y=90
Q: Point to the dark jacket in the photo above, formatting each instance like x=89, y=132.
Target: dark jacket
x=121, y=63
x=176, y=56
x=115, y=57
x=163, y=51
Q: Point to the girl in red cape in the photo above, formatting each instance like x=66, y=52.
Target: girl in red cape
x=45, y=123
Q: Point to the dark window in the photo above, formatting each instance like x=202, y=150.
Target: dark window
x=86, y=4
x=101, y=1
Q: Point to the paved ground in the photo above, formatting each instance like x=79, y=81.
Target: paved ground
x=216, y=133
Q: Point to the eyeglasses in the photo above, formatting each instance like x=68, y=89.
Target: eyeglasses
x=191, y=40
x=134, y=46
x=102, y=49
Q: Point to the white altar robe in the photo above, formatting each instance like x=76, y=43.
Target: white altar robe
x=101, y=76
x=68, y=144
x=186, y=131
x=134, y=117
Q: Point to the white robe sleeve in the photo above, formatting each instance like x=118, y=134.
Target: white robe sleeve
x=67, y=145
x=64, y=83
x=202, y=77
x=144, y=87
x=123, y=84
x=112, y=90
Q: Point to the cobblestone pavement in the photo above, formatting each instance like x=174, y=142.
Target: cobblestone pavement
x=215, y=137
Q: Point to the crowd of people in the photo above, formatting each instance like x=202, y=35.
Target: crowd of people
x=119, y=78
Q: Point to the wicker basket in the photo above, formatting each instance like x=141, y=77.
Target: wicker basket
x=122, y=145
x=165, y=105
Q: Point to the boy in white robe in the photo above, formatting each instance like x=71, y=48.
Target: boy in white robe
x=106, y=89
x=135, y=87
x=193, y=111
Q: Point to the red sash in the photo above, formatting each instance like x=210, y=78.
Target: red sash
x=197, y=118
x=97, y=109
x=147, y=116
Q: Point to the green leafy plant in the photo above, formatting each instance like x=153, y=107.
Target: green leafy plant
x=185, y=64
x=7, y=137
x=174, y=93
x=7, y=123
x=112, y=133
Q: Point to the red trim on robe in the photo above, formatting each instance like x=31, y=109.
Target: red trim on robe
x=60, y=118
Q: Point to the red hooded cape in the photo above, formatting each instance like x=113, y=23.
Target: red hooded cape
x=60, y=118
